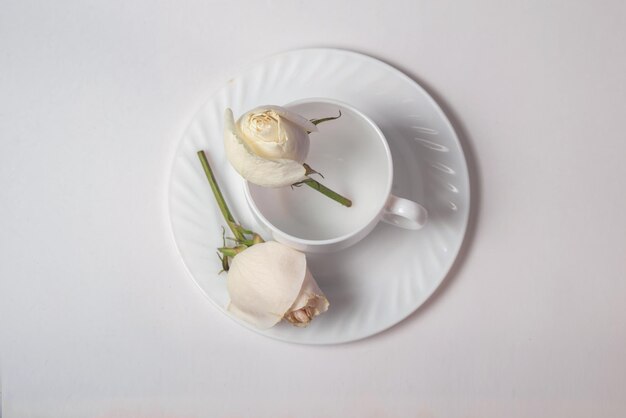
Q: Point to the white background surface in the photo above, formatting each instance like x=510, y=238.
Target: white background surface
x=99, y=319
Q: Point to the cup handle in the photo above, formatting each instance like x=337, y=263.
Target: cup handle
x=404, y=213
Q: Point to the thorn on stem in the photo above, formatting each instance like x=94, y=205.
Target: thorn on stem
x=309, y=170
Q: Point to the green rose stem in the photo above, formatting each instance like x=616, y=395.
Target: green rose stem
x=314, y=184
x=237, y=229
x=320, y=187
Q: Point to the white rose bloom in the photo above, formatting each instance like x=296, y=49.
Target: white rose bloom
x=274, y=132
x=267, y=145
x=268, y=282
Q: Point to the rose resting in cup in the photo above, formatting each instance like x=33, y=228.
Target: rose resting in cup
x=354, y=156
x=268, y=145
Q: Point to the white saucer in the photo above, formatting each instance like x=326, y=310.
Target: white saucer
x=384, y=278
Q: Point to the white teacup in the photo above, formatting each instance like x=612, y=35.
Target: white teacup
x=353, y=155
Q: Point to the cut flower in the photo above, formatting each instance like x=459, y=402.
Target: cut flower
x=269, y=282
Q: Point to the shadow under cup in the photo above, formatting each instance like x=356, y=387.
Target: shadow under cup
x=354, y=158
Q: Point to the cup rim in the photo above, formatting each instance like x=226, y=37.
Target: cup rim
x=351, y=234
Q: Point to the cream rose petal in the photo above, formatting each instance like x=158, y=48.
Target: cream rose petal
x=309, y=303
x=264, y=281
x=286, y=140
x=299, y=120
x=310, y=294
x=257, y=170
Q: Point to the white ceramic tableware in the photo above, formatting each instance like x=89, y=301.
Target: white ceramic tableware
x=380, y=280
x=353, y=155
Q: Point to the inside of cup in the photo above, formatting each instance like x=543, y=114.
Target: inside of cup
x=354, y=160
